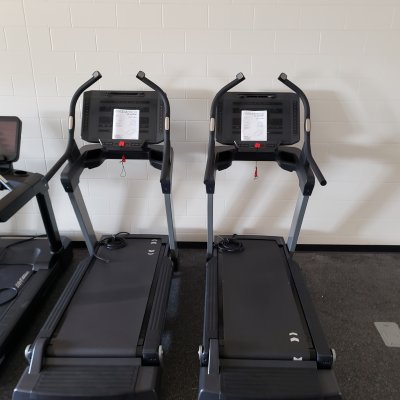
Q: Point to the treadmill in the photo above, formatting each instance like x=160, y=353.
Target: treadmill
x=102, y=339
x=28, y=264
x=261, y=337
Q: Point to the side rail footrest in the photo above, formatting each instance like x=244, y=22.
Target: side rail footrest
x=157, y=315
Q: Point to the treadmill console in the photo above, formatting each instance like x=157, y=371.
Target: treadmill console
x=135, y=118
x=258, y=121
x=10, y=139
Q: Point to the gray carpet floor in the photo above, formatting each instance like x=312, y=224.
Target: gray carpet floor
x=350, y=291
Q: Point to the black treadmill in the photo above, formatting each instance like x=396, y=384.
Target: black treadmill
x=102, y=339
x=261, y=337
x=28, y=264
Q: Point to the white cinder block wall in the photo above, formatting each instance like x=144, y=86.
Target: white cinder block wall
x=344, y=53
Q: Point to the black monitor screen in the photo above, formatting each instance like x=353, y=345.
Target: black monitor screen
x=10, y=136
x=281, y=117
x=101, y=108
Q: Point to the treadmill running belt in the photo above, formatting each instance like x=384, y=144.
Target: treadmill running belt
x=260, y=314
x=105, y=316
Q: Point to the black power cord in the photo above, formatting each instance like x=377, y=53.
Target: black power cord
x=8, y=294
x=229, y=245
x=114, y=242
x=25, y=239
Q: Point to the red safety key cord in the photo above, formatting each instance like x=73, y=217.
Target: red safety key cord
x=123, y=171
x=256, y=146
x=123, y=159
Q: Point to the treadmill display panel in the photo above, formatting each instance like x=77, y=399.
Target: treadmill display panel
x=272, y=118
x=109, y=116
x=10, y=137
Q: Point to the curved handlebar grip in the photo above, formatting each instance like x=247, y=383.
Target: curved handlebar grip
x=166, y=168
x=239, y=78
x=307, y=128
x=284, y=79
x=142, y=77
x=71, y=124
x=95, y=77
x=209, y=176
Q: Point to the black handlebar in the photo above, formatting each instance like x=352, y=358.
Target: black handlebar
x=166, y=169
x=142, y=77
x=307, y=128
x=313, y=164
x=283, y=78
x=71, y=124
x=209, y=176
x=239, y=78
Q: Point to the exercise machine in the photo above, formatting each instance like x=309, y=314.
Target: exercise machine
x=28, y=264
x=261, y=337
x=102, y=339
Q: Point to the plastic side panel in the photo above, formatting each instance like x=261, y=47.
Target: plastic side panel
x=211, y=303
x=19, y=307
x=62, y=303
x=324, y=354
x=209, y=385
x=158, y=312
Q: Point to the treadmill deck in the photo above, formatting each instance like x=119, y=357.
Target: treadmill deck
x=258, y=303
x=106, y=313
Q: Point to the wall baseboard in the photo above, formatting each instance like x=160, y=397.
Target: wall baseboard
x=353, y=248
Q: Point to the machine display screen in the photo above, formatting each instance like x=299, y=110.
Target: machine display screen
x=10, y=130
x=270, y=118
x=110, y=116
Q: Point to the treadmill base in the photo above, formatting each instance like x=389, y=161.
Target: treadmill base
x=95, y=379
x=299, y=381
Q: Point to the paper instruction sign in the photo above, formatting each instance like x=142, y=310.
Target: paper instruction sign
x=254, y=126
x=125, y=124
